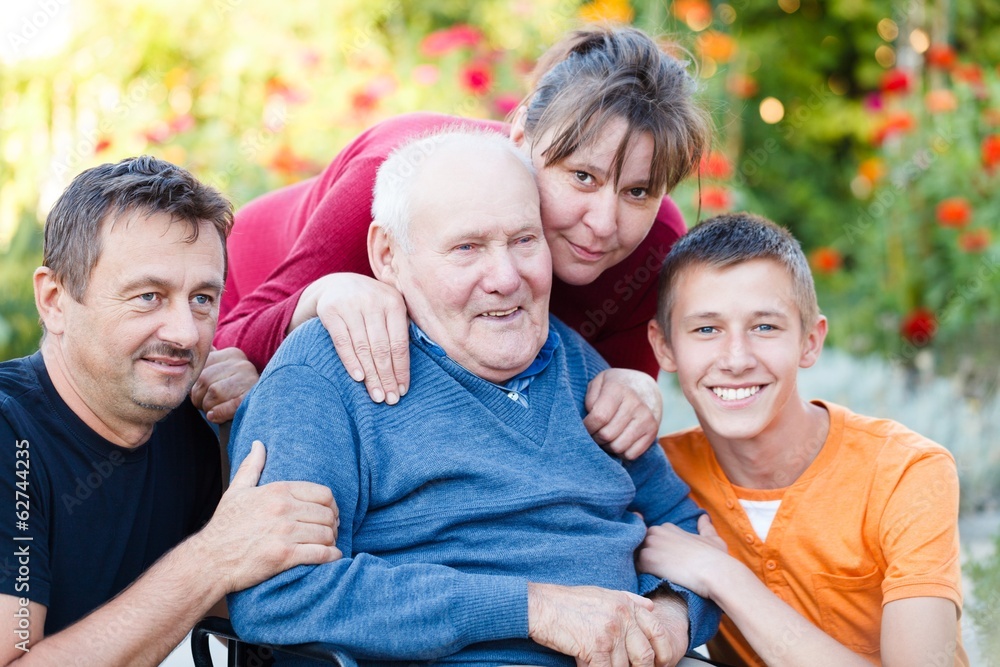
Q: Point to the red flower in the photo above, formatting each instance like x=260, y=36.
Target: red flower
x=363, y=101
x=974, y=240
x=181, y=123
x=941, y=56
x=895, y=81
x=919, y=327
x=970, y=73
x=102, y=145
x=826, y=260
x=277, y=87
x=742, y=86
x=954, y=212
x=158, y=133
x=476, y=78
x=895, y=123
x=715, y=165
x=445, y=41
x=716, y=197
x=991, y=151
x=505, y=103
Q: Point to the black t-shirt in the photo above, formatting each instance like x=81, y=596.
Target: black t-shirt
x=80, y=517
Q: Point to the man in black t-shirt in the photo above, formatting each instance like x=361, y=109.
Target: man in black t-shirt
x=106, y=467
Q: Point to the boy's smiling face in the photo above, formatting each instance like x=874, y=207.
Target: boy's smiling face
x=736, y=344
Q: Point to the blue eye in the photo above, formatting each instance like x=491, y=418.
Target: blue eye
x=766, y=327
x=202, y=299
x=705, y=330
x=148, y=297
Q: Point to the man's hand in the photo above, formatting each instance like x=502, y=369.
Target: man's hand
x=624, y=411
x=672, y=612
x=693, y=561
x=598, y=627
x=367, y=322
x=260, y=531
x=227, y=377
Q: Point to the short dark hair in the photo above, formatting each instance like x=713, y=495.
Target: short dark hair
x=600, y=74
x=143, y=184
x=735, y=238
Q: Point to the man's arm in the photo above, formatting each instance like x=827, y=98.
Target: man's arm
x=662, y=497
x=255, y=533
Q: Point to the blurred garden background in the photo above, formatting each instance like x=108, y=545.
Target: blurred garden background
x=871, y=129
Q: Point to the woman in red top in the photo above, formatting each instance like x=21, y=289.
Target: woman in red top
x=610, y=126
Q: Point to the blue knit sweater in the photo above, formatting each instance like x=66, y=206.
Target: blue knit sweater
x=450, y=502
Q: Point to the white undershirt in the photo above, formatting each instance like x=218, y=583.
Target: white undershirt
x=761, y=514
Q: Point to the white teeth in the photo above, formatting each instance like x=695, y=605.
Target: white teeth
x=500, y=313
x=728, y=394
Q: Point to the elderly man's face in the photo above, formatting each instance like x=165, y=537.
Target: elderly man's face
x=478, y=276
x=139, y=339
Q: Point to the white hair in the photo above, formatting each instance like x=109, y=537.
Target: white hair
x=396, y=176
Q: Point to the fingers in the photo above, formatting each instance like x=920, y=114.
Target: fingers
x=397, y=323
x=313, y=554
x=342, y=334
x=249, y=471
x=309, y=492
x=638, y=640
x=381, y=353
x=224, y=412
x=656, y=635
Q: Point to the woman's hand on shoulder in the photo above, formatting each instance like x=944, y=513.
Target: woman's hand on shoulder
x=367, y=322
x=624, y=408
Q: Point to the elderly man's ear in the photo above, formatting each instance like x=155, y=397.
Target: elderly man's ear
x=49, y=294
x=382, y=255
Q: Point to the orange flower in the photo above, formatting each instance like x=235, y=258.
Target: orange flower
x=872, y=169
x=895, y=81
x=919, y=327
x=941, y=56
x=716, y=197
x=991, y=151
x=286, y=162
x=612, y=11
x=954, y=212
x=992, y=117
x=742, y=86
x=442, y=42
x=974, y=240
x=826, y=260
x=476, y=78
x=696, y=13
x=102, y=145
x=715, y=165
x=941, y=101
x=717, y=45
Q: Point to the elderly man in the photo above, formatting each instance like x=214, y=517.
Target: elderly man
x=107, y=466
x=482, y=524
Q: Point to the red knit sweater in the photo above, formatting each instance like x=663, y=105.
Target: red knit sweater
x=288, y=238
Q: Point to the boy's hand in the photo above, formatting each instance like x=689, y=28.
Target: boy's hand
x=692, y=561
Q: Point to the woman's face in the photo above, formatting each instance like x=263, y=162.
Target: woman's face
x=590, y=223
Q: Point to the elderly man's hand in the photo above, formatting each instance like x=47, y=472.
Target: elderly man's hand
x=260, y=531
x=624, y=411
x=599, y=627
x=227, y=377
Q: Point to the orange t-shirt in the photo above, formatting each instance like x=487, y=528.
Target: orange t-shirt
x=874, y=518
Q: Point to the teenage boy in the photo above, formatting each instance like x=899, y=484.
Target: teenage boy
x=841, y=529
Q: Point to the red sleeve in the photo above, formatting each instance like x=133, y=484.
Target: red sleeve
x=613, y=312
x=334, y=239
